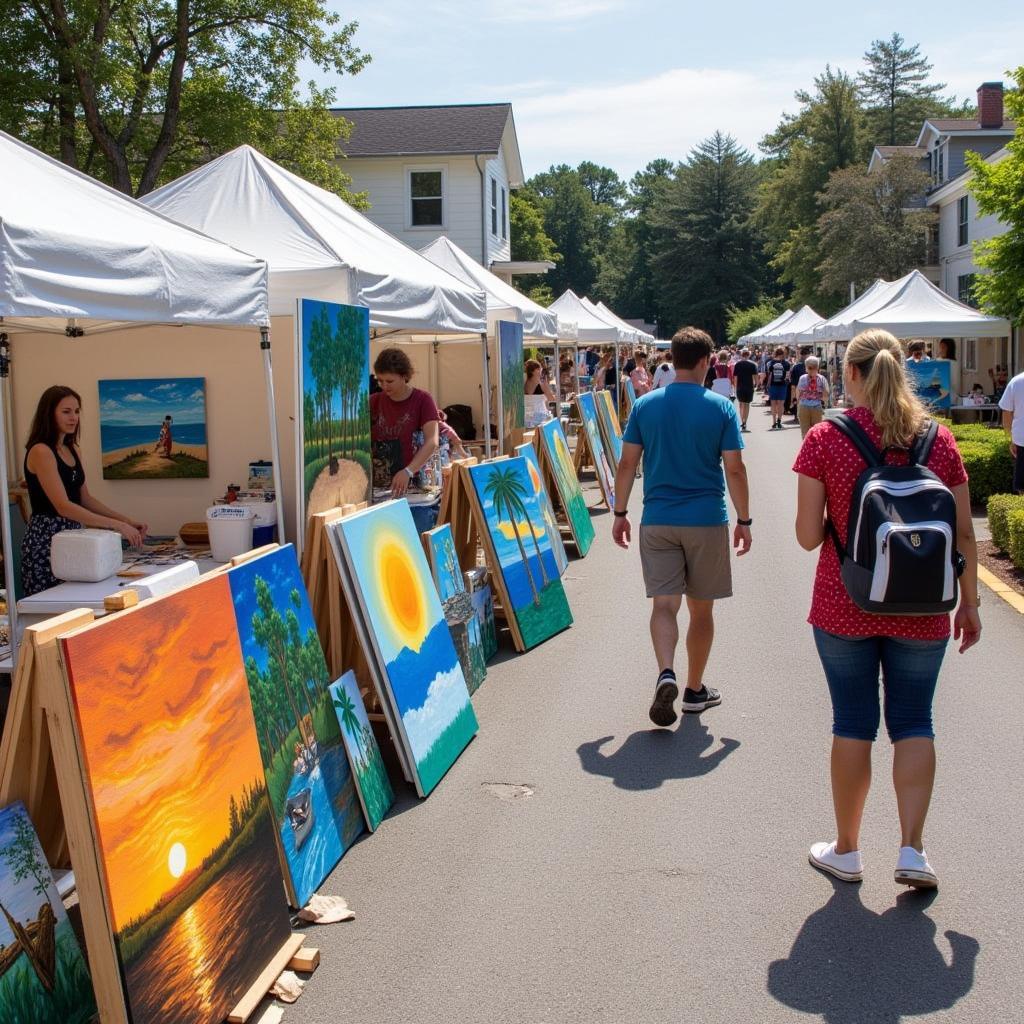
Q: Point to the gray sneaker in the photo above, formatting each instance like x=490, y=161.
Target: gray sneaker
x=700, y=700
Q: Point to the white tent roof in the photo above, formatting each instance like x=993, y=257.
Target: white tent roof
x=626, y=334
x=917, y=309
x=867, y=302
x=770, y=326
x=591, y=328
x=503, y=301
x=789, y=330
x=72, y=248
x=317, y=246
x=639, y=336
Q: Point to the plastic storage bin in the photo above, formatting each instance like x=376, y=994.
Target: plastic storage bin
x=230, y=529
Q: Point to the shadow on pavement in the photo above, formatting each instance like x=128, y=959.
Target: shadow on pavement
x=653, y=756
x=851, y=965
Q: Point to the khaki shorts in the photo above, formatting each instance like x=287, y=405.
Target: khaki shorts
x=691, y=560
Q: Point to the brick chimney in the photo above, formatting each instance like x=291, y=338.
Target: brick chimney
x=990, y=105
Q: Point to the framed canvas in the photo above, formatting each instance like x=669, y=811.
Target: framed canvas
x=390, y=590
x=630, y=392
x=178, y=801
x=611, y=429
x=313, y=798
x=153, y=428
x=516, y=533
x=43, y=977
x=333, y=456
x=586, y=406
x=458, y=608
x=372, y=783
x=540, y=492
x=511, y=382
x=555, y=450
x=931, y=379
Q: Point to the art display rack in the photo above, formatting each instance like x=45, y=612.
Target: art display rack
x=41, y=765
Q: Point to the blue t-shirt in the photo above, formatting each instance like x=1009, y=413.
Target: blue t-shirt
x=684, y=429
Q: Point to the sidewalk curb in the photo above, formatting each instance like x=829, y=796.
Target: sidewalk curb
x=1001, y=589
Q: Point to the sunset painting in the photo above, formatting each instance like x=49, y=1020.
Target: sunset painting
x=390, y=588
x=540, y=492
x=183, y=827
x=587, y=408
x=520, y=540
x=309, y=781
x=567, y=484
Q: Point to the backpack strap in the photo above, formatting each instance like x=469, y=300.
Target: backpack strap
x=858, y=436
x=922, y=448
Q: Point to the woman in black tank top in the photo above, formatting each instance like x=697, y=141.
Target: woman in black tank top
x=57, y=491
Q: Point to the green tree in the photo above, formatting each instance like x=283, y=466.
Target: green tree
x=507, y=492
x=999, y=190
x=138, y=91
x=740, y=322
x=531, y=242
x=349, y=720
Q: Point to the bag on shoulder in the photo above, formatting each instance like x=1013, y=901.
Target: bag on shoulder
x=900, y=556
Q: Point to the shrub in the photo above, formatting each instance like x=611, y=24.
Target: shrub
x=1015, y=531
x=999, y=508
x=986, y=455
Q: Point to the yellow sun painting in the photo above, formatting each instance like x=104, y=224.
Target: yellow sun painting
x=177, y=860
x=401, y=592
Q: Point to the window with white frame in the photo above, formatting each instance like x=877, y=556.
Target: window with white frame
x=426, y=198
x=961, y=221
x=965, y=289
x=504, y=213
x=494, y=207
x=970, y=351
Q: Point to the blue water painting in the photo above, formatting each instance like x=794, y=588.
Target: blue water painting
x=114, y=437
x=133, y=409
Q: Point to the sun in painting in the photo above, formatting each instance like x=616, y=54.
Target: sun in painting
x=402, y=593
x=176, y=860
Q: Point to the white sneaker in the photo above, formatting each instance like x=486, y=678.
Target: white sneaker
x=845, y=866
x=912, y=868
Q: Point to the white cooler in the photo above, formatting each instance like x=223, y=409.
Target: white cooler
x=230, y=529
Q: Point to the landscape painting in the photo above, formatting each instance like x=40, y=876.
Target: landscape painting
x=611, y=429
x=931, y=380
x=630, y=392
x=389, y=585
x=372, y=783
x=483, y=604
x=511, y=381
x=519, y=538
x=183, y=827
x=153, y=428
x=457, y=604
x=567, y=484
x=333, y=460
x=540, y=492
x=312, y=793
x=587, y=409
x=43, y=977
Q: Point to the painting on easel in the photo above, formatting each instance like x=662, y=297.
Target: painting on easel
x=528, y=452
x=511, y=392
x=178, y=799
x=312, y=793
x=587, y=407
x=567, y=484
x=611, y=430
x=43, y=977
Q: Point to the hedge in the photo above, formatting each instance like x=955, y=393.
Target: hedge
x=999, y=508
x=987, y=459
x=1015, y=532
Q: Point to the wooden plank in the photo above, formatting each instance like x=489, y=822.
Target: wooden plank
x=118, y=602
x=248, y=556
x=307, y=959
x=246, y=1006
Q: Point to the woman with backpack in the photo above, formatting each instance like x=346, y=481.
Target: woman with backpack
x=883, y=493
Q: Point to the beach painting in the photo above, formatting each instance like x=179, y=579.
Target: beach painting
x=43, y=977
x=519, y=539
x=317, y=815
x=153, y=428
x=611, y=429
x=457, y=604
x=511, y=381
x=333, y=394
x=388, y=584
x=183, y=828
x=555, y=448
x=540, y=492
x=587, y=408
x=372, y=783
x=932, y=380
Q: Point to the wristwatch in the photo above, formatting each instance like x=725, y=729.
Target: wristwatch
x=744, y=522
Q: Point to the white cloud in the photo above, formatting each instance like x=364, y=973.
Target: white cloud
x=136, y=397
x=165, y=387
x=196, y=395
x=111, y=405
x=446, y=697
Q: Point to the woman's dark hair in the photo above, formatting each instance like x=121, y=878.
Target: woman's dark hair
x=393, y=360
x=531, y=366
x=44, y=423
x=950, y=347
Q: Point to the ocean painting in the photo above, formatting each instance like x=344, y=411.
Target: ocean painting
x=333, y=459
x=153, y=428
x=391, y=588
x=519, y=537
x=511, y=380
x=931, y=379
x=312, y=792
x=179, y=802
x=458, y=608
x=43, y=977
x=587, y=408
x=372, y=783
x=540, y=492
x=567, y=484
x=611, y=429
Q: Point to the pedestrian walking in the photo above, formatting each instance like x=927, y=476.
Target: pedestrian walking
x=889, y=425
x=722, y=383
x=745, y=375
x=811, y=393
x=665, y=373
x=797, y=370
x=639, y=376
x=776, y=373
x=684, y=433
x=1012, y=403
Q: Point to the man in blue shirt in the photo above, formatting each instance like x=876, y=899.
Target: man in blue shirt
x=684, y=434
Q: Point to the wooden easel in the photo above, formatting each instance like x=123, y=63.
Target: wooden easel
x=456, y=511
x=547, y=472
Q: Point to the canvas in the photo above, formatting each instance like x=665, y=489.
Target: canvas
x=567, y=484
x=931, y=380
x=458, y=608
x=588, y=417
x=540, y=492
x=372, y=783
x=312, y=793
x=483, y=604
x=519, y=538
x=389, y=586
x=630, y=395
x=184, y=833
x=43, y=977
x=333, y=460
x=154, y=428
x=611, y=429
x=511, y=380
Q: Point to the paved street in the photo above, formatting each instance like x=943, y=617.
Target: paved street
x=661, y=875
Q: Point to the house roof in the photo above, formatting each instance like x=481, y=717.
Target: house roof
x=402, y=131
x=961, y=126
x=893, y=150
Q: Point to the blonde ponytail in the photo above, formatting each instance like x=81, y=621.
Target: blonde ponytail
x=897, y=410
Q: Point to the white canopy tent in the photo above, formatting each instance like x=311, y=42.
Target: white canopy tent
x=642, y=337
x=867, y=302
x=770, y=326
x=78, y=258
x=591, y=329
x=789, y=330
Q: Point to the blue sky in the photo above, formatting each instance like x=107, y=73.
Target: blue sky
x=145, y=402
x=622, y=82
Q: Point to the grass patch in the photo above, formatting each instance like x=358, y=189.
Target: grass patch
x=178, y=466
x=445, y=750
x=537, y=623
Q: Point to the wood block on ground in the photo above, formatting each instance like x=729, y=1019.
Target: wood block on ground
x=246, y=1006
x=307, y=959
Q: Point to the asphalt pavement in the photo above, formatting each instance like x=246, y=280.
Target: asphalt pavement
x=578, y=864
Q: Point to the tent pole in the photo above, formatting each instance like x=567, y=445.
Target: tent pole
x=5, y=519
x=615, y=393
x=557, y=374
x=275, y=445
x=486, y=395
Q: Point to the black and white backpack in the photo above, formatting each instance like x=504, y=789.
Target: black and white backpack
x=900, y=556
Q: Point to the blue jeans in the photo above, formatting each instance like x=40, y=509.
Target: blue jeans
x=909, y=669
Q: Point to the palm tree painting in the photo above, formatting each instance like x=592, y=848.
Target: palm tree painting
x=528, y=452
x=519, y=537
